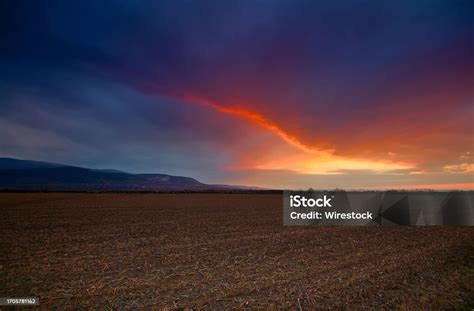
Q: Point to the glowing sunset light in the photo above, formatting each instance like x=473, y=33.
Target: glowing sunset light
x=330, y=164
x=310, y=160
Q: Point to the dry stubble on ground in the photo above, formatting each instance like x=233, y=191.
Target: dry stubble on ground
x=220, y=251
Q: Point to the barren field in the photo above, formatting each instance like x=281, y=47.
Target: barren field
x=218, y=251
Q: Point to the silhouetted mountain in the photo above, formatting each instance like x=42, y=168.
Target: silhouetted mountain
x=33, y=175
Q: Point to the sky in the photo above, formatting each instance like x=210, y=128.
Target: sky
x=279, y=94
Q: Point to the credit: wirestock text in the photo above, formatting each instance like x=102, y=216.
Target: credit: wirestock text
x=304, y=205
x=338, y=207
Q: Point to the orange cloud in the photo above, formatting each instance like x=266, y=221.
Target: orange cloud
x=460, y=168
x=305, y=159
x=253, y=117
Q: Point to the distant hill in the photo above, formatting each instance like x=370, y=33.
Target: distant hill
x=33, y=175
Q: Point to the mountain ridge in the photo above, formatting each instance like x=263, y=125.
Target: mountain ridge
x=16, y=174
